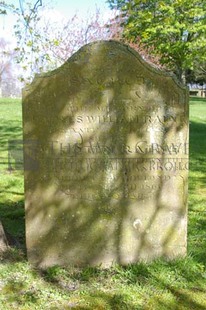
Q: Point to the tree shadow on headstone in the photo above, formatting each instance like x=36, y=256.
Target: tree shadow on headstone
x=112, y=156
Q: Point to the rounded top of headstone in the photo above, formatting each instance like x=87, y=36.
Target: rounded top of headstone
x=103, y=51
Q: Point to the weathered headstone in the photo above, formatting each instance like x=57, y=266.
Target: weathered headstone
x=106, y=160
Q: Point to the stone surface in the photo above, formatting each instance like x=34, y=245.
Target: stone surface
x=106, y=161
x=3, y=239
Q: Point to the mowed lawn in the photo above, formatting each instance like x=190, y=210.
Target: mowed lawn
x=169, y=285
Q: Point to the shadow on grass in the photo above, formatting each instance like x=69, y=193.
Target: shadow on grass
x=197, y=142
x=12, y=216
x=9, y=132
x=197, y=99
x=197, y=237
x=197, y=197
x=197, y=157
x=102, y=300
x=178, y=278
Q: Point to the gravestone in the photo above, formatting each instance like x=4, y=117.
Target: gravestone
x=106, y=161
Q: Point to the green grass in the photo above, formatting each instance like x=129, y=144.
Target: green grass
x=168, y=285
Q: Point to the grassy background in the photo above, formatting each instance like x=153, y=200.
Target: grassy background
x=178, y=284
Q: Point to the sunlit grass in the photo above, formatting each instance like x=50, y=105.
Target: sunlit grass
x=168, y=285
